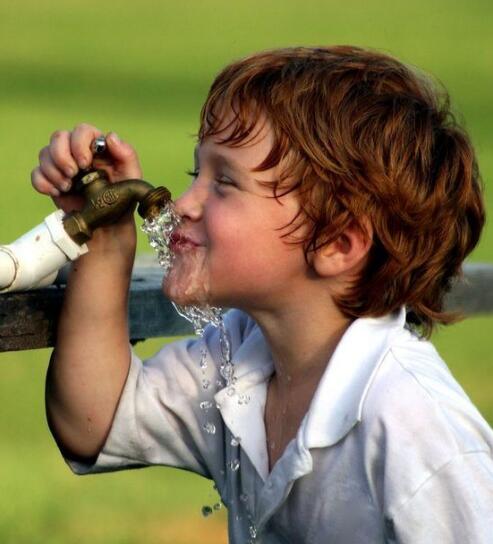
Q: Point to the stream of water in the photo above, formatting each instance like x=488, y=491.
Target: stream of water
x=159, y=230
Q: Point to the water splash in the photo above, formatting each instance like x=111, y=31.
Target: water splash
x=200, y=317
x=158, y=230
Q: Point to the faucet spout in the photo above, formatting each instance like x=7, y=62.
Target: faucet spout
x=107, y=202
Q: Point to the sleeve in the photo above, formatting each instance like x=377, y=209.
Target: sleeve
x=166, y=414
x=453, y=506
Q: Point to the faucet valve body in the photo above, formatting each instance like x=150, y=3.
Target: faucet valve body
x=107, y=202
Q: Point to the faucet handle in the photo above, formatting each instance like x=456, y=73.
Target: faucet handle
x=99, y=146
x=86, y=177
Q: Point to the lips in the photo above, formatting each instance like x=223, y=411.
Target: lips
x=179, y=241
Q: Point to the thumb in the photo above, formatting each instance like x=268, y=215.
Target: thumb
x=124, y=156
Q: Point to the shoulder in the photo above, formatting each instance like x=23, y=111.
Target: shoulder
x=417, y=418
x=414, y=392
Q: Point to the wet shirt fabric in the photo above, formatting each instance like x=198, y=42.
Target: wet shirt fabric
x=391, y=449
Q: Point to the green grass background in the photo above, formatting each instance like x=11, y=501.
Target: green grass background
x=143, y=69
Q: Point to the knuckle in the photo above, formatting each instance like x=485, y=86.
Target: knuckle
x=57, y=135
x=128, y=151
x=85, y=127
x=36, y=178
x=81, y=156
x=42, y=155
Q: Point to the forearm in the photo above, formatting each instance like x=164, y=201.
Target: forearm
x=92, y=356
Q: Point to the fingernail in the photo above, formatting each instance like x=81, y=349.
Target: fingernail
x=66, y=186
x=54, y=191
x=113, y=136
x=70, y=171
x=84, y=162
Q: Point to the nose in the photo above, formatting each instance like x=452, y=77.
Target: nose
x=190, y=204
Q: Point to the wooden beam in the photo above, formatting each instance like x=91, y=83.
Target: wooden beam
x=28, y=319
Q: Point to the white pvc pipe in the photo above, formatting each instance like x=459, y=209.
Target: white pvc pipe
x=34, y=259
x=7, y=268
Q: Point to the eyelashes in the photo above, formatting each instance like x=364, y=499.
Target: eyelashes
x=192, y=173
x=220, y=181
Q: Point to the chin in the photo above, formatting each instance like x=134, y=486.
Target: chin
x=185, y=295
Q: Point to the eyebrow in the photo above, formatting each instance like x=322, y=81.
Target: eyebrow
x=221, y=159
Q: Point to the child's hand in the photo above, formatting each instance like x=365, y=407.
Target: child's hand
x=68, y=152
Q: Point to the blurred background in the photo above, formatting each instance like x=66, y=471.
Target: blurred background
x=143, y=69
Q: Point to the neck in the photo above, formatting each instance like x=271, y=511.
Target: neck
x=302, y=336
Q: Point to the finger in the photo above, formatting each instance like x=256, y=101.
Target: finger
x=51, y=172
x=81, y=139
x=61, y=154
x=43, y=185
x=69, y=203
x=124, y=155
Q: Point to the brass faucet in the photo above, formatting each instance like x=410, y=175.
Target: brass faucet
x=107, y=202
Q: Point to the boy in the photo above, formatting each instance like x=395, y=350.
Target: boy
x=333, y=201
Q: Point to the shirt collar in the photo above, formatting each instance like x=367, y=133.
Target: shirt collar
x=243, y=411
x=338, y=401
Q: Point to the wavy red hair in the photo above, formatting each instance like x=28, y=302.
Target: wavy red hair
x=360, y=135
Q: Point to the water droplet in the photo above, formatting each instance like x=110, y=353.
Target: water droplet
x=209, y=428
x=243, y=497
x=219, y=383
x=243, y=399
x=231, y=391
x=234, y=465
x=203, y=359
x=253, y=531
x=206, y=511
x=235, y=441
x=206, y=405
x=206, y=384
x=217, y=506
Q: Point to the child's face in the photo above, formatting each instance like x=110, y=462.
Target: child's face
x=228, y=251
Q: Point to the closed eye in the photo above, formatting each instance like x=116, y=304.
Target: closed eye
x=219, y=183
x=225, y=181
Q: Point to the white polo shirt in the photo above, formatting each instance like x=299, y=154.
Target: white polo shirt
x=391, y=449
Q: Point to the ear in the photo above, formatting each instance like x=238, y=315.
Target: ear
x=347, y=254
